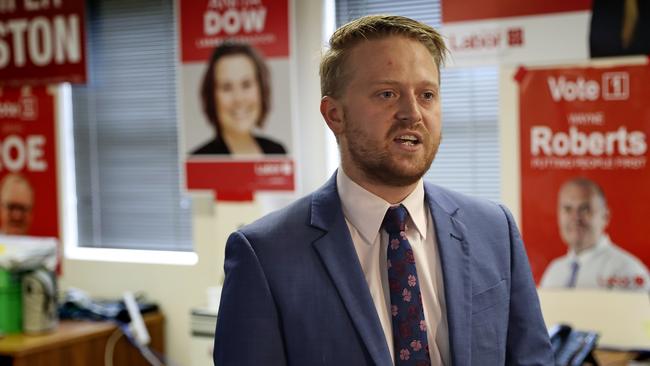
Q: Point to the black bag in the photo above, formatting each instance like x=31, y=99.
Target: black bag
x=572, y=347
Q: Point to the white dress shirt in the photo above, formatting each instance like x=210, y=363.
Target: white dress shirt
x=604, y=266
x=364, y=213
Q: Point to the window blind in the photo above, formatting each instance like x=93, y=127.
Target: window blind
x=468, y=159
x=125, y=132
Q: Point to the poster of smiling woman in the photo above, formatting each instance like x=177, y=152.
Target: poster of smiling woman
x=235, y=91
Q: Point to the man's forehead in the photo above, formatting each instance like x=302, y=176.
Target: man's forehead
x=578, y=194
x=424, y=82
x=390, y=41
x=15, y=188
x=376, y=59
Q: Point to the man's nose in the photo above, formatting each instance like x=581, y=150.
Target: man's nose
x=575, y=216
x=16, y=214
x=409, y=109
x=17, y=210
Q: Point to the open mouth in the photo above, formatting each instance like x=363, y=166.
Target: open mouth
x=408, y=140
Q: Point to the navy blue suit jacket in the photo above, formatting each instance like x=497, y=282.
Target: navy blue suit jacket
x=295, y=293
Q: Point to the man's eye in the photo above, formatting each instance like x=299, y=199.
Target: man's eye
x=387, y=94
x=429, y=95
x=584, y=210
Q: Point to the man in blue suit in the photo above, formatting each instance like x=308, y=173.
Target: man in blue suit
x=378, y=267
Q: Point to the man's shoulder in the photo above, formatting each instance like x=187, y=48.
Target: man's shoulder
x=301, y=220
x=452, y=200
x=615, y=252
x=292, y=216
x=619, y=264
x=289, y=229
x=555, y=274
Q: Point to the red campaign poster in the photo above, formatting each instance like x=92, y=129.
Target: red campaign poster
x=28, y=165
x=42, y=42
x=584, y=175
x=456, y=11
x=235, y=85
x=516, y=32
x=264, y=24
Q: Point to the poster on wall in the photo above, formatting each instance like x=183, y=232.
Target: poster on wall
x=515, y=32
x=28, y=165
x=42, y=42
x=236, y=134
x=584, y=175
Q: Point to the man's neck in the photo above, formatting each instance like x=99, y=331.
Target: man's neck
x=390, y=194
x=579, y=249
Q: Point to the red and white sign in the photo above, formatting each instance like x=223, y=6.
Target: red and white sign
x=264, y=24
x=260, y=25
x=592, y=123
x=42, y=41
x=237, y=180
x=468, y=10
x=28, y=164
x=512, y=32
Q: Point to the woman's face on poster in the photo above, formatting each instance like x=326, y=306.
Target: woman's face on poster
x=237, y=94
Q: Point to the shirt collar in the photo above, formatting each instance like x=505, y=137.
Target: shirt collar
x=366, y=211
x=602, y=243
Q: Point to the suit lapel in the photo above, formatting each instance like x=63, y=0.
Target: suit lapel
x=337, y=252
x=455, y=261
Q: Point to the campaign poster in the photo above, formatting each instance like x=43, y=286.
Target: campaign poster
x=28, y=165
x=584, y=175
x=42, y=42
x=236, y=119
x=515, y=32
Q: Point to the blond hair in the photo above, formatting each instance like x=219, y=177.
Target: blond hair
x=368, y=28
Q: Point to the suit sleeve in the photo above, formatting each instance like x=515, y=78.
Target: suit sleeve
x=248, y=327
x=527, y=342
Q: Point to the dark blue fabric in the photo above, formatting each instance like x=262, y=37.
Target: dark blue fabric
x=295, y=293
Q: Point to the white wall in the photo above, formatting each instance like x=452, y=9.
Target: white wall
x=178, y=288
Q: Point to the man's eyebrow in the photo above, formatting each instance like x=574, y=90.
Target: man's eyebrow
x=430, y=84
x=384, y=82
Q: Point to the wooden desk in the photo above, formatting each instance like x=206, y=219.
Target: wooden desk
x=614, y=358
x=78, y=343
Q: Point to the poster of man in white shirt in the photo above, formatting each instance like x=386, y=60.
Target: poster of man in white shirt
x=592, y=259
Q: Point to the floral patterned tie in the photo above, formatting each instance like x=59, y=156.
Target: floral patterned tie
x=409, y=328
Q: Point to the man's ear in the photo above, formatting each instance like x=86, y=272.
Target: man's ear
x=332, y=112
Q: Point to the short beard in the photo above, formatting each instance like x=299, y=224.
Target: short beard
x=378, y=165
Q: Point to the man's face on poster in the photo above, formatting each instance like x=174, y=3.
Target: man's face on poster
x=16, y=200
x=582, y=216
